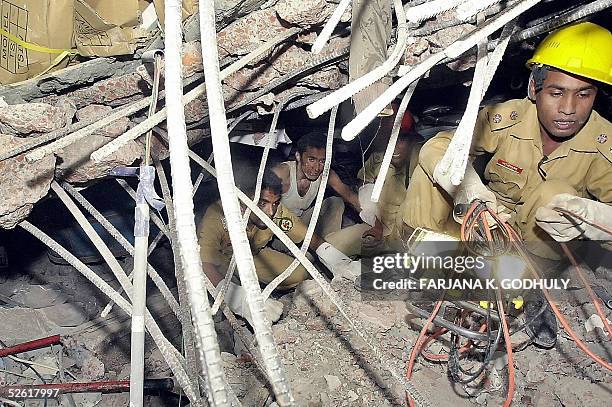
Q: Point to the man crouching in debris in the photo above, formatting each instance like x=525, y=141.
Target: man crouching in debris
x=550, y=152
x=301, y=180
x=216, y=248
x=382, y=220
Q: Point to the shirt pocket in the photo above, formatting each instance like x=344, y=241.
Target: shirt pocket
x=506, y=177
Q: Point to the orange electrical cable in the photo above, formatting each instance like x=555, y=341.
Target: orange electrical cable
x=586, y=284
x=417, y=346
x=516, y=239
x=585, y=220
x=508, y=344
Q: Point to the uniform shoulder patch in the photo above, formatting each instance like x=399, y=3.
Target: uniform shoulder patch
x=284, y=223
x=604, y=145
x=506, y=114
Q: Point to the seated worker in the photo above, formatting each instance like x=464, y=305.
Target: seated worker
x=301, y=180
x=382, y=223
x=216, y=247
x=549, y=150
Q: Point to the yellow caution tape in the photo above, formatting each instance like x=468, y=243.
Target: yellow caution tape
x=35, y=47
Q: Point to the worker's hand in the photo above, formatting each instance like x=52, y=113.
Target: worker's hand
x=235, y=298
x=369, y=210
x=564, y=227
x=337, y=262
x=373, y=236
x=471, y=189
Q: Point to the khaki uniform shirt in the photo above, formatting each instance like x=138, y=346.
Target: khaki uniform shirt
x=510, y=131
x=214, y=240
x=394, y=190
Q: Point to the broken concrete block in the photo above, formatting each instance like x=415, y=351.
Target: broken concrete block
x=76, y=167
x=593, y=322
x=37, y=296
x=22, y=325
x=304, y=12
x=92, y=368
x=95, y=111
x=333, y=382
x=28, y=118
x=83, y=400
x=22, y=184
x=246, y=34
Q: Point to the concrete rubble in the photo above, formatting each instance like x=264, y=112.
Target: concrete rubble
x=327, y=362
x=243, y=26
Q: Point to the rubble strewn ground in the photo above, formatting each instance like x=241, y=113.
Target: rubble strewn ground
x=327, y=362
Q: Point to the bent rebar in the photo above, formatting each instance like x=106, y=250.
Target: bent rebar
x=457, y=48
x=384, y=362
x=170, y=354
x=218, y=391
x=190, y=96
x=321, y=106
x=231, y=207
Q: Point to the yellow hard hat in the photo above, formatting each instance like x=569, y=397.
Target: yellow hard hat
x=584, y=49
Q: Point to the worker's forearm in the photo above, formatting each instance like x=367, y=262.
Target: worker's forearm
x=354, y=202
x=315, y=242
x=212, y=272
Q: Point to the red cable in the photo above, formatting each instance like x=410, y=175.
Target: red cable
x=417, y=347
x=508, y=344
x=596, y=301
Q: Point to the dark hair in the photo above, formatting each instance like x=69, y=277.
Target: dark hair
x=311, y=140
x=245, y=176
x=539, y=75
x=271, y=182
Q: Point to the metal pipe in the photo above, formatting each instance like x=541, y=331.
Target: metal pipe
x=114, y=386
x=141, y=243
x=31, y=345
x=217, y=389
x=139, y=300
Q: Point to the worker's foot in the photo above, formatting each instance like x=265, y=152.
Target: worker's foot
x=235, y=298
x=541, y=322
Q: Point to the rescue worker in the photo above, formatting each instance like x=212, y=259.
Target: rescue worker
x=216, y=248
x=383, y=220
x=550, y=150
x=301, y=180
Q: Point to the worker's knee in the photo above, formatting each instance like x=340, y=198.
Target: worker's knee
x=300, y=274
x=333, y=204
x=425, y=204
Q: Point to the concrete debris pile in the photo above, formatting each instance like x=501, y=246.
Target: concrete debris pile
x=56, y=103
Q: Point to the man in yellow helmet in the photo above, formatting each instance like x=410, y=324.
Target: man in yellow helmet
x=549, y=151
